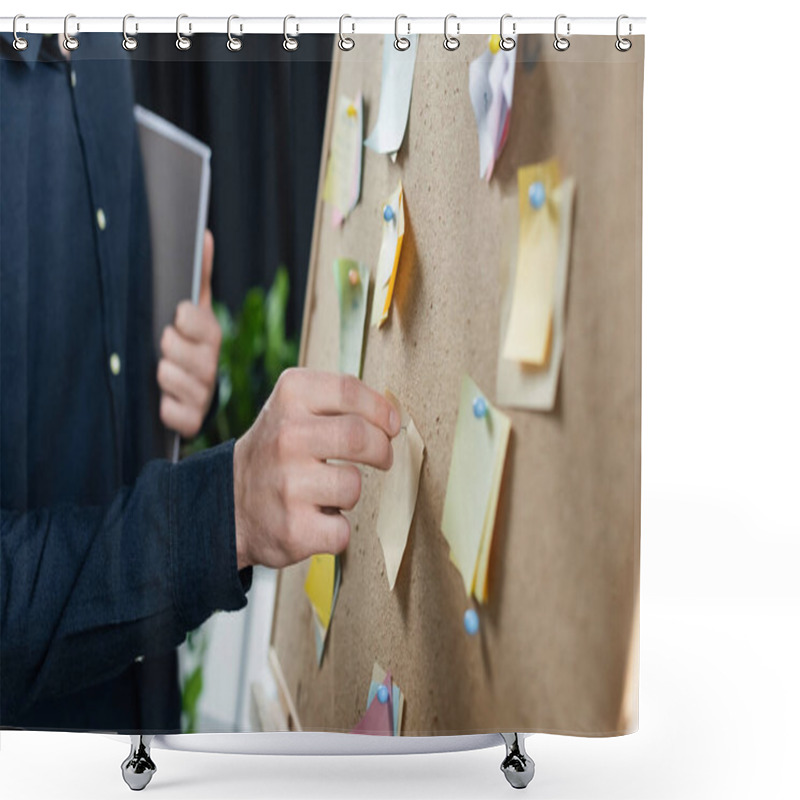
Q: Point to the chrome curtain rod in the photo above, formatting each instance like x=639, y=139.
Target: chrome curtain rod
x=296, y=25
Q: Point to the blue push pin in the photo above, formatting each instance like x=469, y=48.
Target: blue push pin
x=471, y=622
x=536, y=194
x=388, y=213
x=479, y=407
x=383, y=695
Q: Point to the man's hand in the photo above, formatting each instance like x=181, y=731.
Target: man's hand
x=187, y=371
x=288, y=499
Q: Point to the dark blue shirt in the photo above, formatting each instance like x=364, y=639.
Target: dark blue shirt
x=109, y=556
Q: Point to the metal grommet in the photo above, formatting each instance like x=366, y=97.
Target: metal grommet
x=289, y=42
x=560, y=43
x=20, y=44
x=182, y=42
x=506, y=42
x=234, y=43
x=346, y=42
x=451, y=42
x=623, y=45
x=400, y=42
x=128, y=42
x=70, y=42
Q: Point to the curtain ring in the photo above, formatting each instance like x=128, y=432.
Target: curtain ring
x=400, y=42
x=451, y=42
x=561, y=43
x=234, y=43
x=289, y=42
x=182, y=42
x=623, y=45
x=346, y=42
x=19, y=43
x=506, y=42
x=128, y=42
x=70, y=42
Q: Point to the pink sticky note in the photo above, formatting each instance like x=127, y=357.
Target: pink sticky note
x=378, y=721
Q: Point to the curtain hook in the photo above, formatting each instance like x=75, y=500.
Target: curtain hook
x=561, y=43
x=451, y=42
x=19, y=43
x=289, y=42
x=70, y=42
x=506, y=42
x=346, y=42
x=129, y=42
x=623, y=45
x=182, y=42
x=234, y=43
x=400, y=42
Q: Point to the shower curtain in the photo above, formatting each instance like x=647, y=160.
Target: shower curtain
x=385, y=296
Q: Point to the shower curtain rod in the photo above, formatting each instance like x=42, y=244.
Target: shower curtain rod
x=297, y=25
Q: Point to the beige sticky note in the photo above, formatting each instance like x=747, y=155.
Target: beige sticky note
x=343, y=175
x=523, y=385
x=399, y=492
x=389, y=256
x=319, y=586
x=473, y=486
x=530, y=323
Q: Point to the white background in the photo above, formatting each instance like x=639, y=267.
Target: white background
x=720, y=615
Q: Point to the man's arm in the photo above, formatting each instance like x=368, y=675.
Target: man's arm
x=87, y=590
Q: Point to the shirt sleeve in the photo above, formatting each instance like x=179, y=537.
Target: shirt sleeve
x=85, y=590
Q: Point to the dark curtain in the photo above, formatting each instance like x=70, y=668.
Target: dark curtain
x=262, y=112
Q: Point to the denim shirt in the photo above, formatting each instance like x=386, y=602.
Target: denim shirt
x=108, y=555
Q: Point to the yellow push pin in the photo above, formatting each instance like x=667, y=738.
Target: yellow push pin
x=494, y=43
x=353, y=277
x=351, y=111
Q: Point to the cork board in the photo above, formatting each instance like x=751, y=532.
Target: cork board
x=557, y=649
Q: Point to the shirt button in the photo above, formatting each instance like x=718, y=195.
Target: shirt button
x=139, y=659
x=115, y=364
x=73, y=78
x=101, y=219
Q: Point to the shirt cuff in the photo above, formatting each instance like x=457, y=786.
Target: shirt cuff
x=202, y=523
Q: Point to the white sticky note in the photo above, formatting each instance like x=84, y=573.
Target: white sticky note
x=491, y=90
x=352, y=288
x=343, y=176
x=397, y=79
x=393, y=230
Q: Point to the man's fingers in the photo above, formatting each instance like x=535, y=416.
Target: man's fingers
x=331, y=532
x=350, y=437
x=192, y=356
x=197, y=323
x=334, y=486
x=328, y=393
x=177, y=416
x=174, y=380
x=205, y=277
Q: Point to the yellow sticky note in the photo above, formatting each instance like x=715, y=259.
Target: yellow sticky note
x=399, y=492
x=319, y=586
x=394, y=224
x=523, y=385
x=531, y=320
x=343, y=175
x=473, y=485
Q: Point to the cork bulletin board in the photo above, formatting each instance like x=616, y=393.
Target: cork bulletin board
x=557, y=649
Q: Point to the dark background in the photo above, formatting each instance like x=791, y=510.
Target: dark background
x=262, y=112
